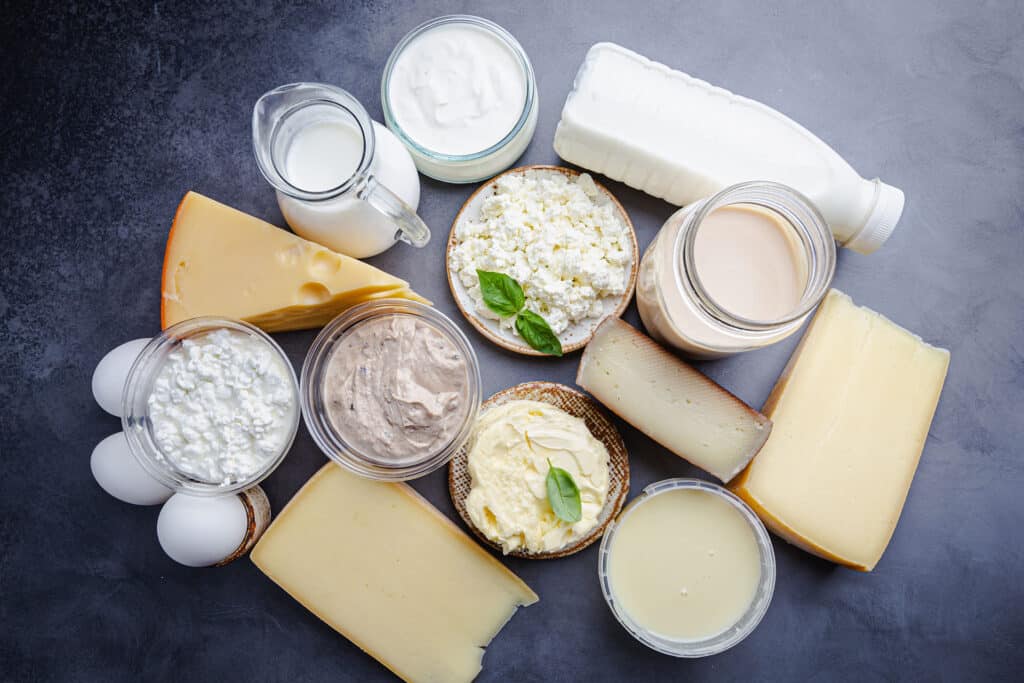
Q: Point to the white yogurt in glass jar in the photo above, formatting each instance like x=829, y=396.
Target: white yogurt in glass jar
x=460, y=92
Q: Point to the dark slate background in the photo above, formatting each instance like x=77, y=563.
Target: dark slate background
x=110, y=113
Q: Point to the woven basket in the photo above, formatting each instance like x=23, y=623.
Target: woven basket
x=577, y=405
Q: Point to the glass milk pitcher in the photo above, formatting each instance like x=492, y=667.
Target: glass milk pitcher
x=324, y=156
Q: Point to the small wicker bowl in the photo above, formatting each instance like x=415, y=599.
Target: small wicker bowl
x=599, y=424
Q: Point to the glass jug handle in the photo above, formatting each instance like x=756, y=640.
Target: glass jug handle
x=411, y=228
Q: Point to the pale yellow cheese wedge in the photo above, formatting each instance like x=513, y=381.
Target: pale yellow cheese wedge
x=851, y=412
x=385, y=569
x=221, y=261
x=670, y=401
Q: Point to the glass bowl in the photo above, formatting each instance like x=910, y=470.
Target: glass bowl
x=314, y=408
x=719, y=642
x=466, y=168
x=138, y=427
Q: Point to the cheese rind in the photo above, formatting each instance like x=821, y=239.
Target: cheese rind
x=670, y=401
x=388, y=571
x=221, y=261
x=851, y=411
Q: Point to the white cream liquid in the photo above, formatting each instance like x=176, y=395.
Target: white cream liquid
x=684, y=565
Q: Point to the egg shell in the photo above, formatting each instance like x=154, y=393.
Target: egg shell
x=201, y=531
x=112, y=372
x=119, y=473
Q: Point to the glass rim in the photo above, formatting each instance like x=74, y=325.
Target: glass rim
x=138, y=427
x=510, y=41
x=811, y=230
x=333, y=444
x=723, y=640
x=329, y=95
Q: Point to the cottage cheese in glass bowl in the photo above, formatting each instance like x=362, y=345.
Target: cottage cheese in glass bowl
x=211, y=406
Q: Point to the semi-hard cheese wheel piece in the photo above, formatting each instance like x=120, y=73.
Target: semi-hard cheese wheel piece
x=220, y=261
x=851, y=411
x=387, y=570
x=670, y=401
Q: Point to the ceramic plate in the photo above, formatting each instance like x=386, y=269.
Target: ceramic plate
x=576, y=336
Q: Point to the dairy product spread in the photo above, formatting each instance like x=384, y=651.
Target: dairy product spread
x=557, y=235
x=512, y=447
x=222, y=406
x=395, y=389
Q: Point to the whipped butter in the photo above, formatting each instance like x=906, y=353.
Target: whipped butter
x=396, y=389
x=509, y=455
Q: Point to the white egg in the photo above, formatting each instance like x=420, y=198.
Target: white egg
x=201, y=531
x=121, y=475
x=111, y=373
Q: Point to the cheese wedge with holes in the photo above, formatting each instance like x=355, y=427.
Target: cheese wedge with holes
x=670, y=401
x=851, y=411
x=387, y=570
x=220, y=261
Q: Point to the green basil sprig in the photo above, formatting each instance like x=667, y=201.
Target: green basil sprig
x=563, y=494
x=503, y=295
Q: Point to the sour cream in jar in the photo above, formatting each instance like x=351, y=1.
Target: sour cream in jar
x=460, y=92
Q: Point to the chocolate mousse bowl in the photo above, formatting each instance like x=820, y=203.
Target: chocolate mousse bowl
x=390, y=389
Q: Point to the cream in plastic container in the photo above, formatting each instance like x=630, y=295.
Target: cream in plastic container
x=687, y=568
x=460, y=93
x=681, y=139
x=735, y=272
x=390, y=389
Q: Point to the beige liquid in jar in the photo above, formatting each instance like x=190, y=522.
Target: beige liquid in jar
x=684, y=564
x=750, y=263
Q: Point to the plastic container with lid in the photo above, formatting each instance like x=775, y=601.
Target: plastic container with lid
x=359, y=458
x=675, y=304
x=716, y=642
x=460, y=93
x=138, y=426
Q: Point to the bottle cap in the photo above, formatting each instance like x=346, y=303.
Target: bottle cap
x=884, y=216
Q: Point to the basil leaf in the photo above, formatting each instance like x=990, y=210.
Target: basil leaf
x=537, y=333
x=502, y=294
x=563, y=494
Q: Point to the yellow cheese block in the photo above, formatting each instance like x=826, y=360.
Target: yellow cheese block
x=220, y=261
x=385, y=569
x=851, y=413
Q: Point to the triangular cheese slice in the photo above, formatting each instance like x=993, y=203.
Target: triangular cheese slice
x=223, y=262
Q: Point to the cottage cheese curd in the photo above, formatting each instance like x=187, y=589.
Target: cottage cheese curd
x=558, y=236
x=222, y=406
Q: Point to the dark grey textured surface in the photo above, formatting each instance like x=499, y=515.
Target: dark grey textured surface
x=110, y=114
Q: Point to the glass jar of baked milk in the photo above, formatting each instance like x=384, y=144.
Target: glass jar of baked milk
x=736, y=271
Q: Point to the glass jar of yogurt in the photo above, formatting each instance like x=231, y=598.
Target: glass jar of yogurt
x=737, y=271
x=460, y=93
x=210, y=406
x=390, y=389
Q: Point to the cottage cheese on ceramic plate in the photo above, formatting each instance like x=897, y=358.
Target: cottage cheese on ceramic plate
x=558, y=236
x=222, y=406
